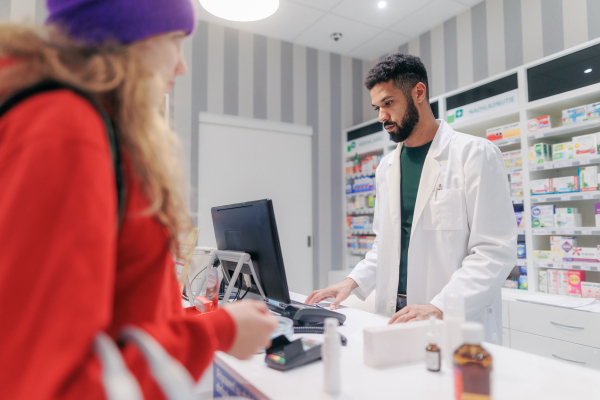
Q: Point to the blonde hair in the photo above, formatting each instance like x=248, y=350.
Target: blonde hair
x=116, y=77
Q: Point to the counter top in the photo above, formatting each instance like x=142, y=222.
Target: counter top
x=517, y=375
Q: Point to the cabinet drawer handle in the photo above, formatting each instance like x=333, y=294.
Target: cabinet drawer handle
x=577, y=328
x=571, y=361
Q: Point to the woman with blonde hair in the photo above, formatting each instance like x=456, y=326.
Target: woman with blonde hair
x=90, y=201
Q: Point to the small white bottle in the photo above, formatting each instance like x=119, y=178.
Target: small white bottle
x=454, y=316
x=331, y=355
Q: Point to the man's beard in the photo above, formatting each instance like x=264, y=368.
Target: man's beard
x=409, y=121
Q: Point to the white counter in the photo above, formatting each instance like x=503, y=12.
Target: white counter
x=517, y=375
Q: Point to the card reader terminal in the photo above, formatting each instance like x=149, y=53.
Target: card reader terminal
x=284, y=355
x=303, y=314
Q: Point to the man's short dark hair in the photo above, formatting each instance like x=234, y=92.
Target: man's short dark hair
x=404, y=69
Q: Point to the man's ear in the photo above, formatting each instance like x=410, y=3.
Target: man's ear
x=419, y=93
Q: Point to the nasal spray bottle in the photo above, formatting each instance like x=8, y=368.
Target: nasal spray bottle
x=331, y=355
x=454, y=316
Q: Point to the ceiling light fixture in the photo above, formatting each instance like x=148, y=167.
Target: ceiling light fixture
x=241, y=10
x=587, y=71
x=381, y=4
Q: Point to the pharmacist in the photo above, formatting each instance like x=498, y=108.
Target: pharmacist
x=444, y=220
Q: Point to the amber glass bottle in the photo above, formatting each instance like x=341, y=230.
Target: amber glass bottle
x=472, y=366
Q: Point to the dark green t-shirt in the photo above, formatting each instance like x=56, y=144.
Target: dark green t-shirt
x=411, y=166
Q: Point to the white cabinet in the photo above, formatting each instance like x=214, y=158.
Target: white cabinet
x=571, y=353
x=573, y=326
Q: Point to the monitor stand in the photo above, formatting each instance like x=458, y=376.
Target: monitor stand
x=241, y=259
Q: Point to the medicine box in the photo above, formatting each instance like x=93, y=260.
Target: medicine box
x=588, y=179
x=574, y=115
x=562, y=151
x=542, y=153
x=494, y=133
x=563, y=282
x=516, y=161
x=567, y=244
x=510, y=284
x=575, y=279
x=566, y=210
x=511, y=130
x=593, y=111
x=516, y=177
x=516, y=189
x=555, y=243
x=539, y=124
x=585, y=254
x=565, y=184
x=590, y=290
x=553, y=281
x=567, y=220
x=543, y=281
x=542, y=211
x=506, y=159
x=542, y=255
x=541, y=186
x=521, y=250
x=585, y=145
x=531, y=155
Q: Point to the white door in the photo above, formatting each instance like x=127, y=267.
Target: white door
x=243, y=159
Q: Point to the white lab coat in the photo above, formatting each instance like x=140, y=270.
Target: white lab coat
x=463, y=238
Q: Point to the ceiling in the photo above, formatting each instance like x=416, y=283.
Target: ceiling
x=368, y=31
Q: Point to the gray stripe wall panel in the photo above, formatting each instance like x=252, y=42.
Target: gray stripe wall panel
x=403, y=49
x=337, y=177
x=513, y=34
x=199, y=104
x=5, y=10
x=593, y=18
x=312, y=117
x=357, y=91
x=287, y=82
x=231, y=73
x=425, y=50
x=260, y=77
x=451, y=54
x=552, y=26
x=480, y=47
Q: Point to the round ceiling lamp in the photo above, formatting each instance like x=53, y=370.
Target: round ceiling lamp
x=241, y=10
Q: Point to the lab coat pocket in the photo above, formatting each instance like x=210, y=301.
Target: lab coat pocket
x=444, y=210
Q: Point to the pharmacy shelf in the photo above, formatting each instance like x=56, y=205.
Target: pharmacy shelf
x=565, y=164
x=517, y=200
x=360, y=175
x=521, y=262
x=359, y=252
x=507, y=142
x=549, y=198
x=366, y=193
x=361, y=231
x=361, y=212
x=565, y=129
x=566, y=231
x=514, y=170
x=574, y=265
x=520, y=231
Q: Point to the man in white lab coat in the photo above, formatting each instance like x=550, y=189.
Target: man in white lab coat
x=444, y=220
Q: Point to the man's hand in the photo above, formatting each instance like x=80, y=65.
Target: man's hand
x=254, y=326
x=340, y=291
x=416, y=313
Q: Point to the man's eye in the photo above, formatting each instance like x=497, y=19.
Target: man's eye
x=388, y=103
x=376, y=108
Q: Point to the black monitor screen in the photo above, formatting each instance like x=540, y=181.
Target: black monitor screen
x=250, y=227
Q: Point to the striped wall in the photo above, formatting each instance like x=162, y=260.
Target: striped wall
x=497, y=35
x=243, y=74
x=237, y=73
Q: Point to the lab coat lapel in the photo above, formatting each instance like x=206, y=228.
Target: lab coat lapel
x=431, y=171
x=393, y=185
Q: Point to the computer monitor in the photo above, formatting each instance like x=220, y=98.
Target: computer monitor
x=250, y=227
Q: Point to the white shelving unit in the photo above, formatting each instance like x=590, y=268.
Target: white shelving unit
x=523, y=111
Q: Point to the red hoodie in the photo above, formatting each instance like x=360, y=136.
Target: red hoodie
x=65, y=273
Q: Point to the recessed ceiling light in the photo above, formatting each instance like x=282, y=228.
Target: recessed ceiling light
x=381, y=4
x=241, y=10
x=587, y=71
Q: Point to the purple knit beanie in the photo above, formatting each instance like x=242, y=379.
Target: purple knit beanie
x=126, y=21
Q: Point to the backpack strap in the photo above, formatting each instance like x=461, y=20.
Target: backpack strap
x=48, y=86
